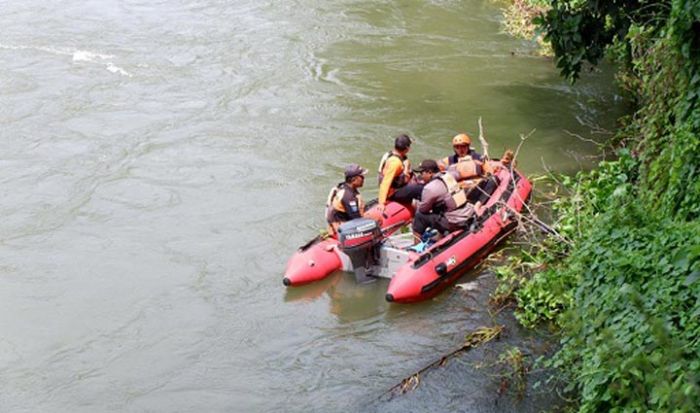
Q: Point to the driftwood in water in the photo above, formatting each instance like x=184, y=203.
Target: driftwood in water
x=474, y=339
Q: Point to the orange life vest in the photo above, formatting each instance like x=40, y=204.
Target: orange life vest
x=404, y=175
x=334, y=203
x=467, y=169
x=448, y=161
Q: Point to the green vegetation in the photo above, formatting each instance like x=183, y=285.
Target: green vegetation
x=519, y=15
x=625, y=287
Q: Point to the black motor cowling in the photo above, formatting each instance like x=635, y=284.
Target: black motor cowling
x=359, y=233
x=359, y=240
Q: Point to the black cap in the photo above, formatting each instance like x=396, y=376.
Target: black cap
x=428, y=165
x=354, y=170
x=402, y=142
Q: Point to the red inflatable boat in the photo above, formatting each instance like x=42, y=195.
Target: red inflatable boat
x=366, y=247
x=320, y=257
x=426, y=274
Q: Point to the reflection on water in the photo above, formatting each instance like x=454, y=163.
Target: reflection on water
x=313, y=291
x=348, y=300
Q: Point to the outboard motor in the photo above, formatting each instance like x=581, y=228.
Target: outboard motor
x=359, y=240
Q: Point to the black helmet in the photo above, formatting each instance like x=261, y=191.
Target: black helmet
x=402, y=142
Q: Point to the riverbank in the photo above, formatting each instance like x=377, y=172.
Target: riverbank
x=621, y=279
x=518, y=22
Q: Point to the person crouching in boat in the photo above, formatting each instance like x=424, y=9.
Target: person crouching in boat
x=395, y=176
x=344, y=200
x=443, y=204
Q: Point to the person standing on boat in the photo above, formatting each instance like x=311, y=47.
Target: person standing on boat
x=443, y=204
x=395, y=175
x=344, y=201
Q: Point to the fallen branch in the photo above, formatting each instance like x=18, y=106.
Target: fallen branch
x=532, y=218
x=474, y=339
x=581, y=138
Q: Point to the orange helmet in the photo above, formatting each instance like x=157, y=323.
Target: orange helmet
x=461, y=139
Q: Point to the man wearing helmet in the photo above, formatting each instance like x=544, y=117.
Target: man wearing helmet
x=461, y=144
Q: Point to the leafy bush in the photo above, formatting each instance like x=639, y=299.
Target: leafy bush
x=632, y=333
x=548, y=293
x=627, y=295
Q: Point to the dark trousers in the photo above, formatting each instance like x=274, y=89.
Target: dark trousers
x=407, y=193
x=482, y=192
x=423, y=221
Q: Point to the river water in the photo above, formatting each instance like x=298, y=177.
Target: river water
x=162, y=159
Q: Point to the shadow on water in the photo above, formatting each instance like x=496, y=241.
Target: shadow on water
x=350, y=301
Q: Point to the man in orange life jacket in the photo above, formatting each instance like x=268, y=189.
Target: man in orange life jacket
x=443, y=204
x=395, y=175
x=344, y=201
x=468, y=167
x=463, y=151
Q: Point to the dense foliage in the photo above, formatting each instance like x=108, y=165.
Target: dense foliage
x=627, y=293
x=582, y=30
x=627, y=297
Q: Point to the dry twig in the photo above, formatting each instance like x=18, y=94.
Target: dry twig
x=474, y=339
x=484, y=144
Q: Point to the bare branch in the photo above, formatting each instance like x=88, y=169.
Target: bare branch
x=581, y=138
x=484, y=144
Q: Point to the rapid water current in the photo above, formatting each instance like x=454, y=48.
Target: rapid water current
x=161, y=160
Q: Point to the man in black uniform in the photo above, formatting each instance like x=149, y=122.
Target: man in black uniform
x=344, y=201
